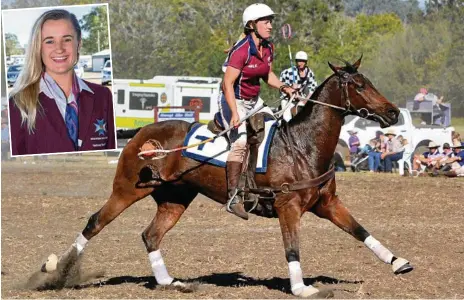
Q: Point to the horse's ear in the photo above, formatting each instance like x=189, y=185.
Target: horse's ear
x=334, y=68
x=358, y=62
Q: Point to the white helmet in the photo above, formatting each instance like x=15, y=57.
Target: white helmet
x=256, y=11
x=301, y=55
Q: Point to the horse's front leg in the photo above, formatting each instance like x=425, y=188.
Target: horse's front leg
x=330, y=207
x=289, y=218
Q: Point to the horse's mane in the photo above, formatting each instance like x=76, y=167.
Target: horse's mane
x=349, y=68
x=300, y=117
x=319, y=88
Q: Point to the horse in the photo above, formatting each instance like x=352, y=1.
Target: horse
x=307, y=143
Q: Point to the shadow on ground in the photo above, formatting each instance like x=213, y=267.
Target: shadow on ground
x=234, y=279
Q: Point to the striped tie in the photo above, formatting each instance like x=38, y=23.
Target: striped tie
x=71, y=117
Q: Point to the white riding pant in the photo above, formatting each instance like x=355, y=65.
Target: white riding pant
x=238, y=136
x=287, y=114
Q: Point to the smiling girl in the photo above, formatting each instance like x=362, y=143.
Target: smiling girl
x=51, y=109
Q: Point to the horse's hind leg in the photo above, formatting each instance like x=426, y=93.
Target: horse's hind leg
x=330, y=207
x=172, y=202
x=119, y=200
x=124, y=195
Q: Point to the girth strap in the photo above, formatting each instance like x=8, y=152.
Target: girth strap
x=296, y=186
x=306, y=184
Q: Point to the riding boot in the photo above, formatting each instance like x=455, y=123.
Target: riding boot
x=235, y=203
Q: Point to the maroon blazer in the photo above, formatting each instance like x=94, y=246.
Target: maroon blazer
x=96, y=125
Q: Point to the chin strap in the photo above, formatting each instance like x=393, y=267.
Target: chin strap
x=262, y=41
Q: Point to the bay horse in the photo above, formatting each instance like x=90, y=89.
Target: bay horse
x=308, y=144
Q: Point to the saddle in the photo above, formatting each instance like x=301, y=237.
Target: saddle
x=255, y=136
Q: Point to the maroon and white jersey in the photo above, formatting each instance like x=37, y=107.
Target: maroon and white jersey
x=245, y=57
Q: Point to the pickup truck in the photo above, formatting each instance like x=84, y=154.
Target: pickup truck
x=418, y=136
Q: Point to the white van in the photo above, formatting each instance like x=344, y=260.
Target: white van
x=136, y=99
x=85, y=61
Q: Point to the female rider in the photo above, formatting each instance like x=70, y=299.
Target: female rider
x=249, y=60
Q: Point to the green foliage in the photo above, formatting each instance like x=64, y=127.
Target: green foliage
x=96, y=24
x=404, y=47
x=406, y=10
x=414, y=58
x=12, y=45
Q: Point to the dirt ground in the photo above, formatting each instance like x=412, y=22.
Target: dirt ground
x=45, y=206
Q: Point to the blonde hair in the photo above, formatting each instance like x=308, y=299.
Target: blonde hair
x=241, y=37
x=25, y=92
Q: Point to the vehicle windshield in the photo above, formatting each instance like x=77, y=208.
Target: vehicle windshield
x=108, y=64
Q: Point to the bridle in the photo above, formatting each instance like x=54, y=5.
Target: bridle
x=347, y=108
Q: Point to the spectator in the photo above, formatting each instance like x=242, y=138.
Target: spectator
x=374, y=156
x=362, y=154
x=354, y=143
x=456, y=136
x=428, y=158
x=5, y=140
x=421, y=95
x=400, y=138
x=447, y=151
x=441, y=161
x=438, y=109
x=394, y=150
x=456, y=162
x=406, y=145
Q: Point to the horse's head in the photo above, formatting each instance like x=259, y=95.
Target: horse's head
x=361, y=98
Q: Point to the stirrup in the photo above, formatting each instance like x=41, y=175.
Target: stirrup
x=255, y=203
x=232, y=200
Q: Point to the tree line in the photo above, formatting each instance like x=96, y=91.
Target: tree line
x=404, y=46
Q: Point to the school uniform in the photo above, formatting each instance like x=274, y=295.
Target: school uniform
x=95, y=128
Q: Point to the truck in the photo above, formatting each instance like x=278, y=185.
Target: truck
x=418, y=137
x=136, y=99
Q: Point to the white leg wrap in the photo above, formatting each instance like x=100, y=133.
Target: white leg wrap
x=159, y=268
x=382, y=253
x=296, y=281
x=80, y=243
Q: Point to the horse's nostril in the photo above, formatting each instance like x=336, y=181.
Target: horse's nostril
x=393, y=113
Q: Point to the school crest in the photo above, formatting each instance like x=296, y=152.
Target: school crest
x=100, y=127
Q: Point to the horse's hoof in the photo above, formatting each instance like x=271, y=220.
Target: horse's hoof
x=311, y=292
x=401, y=266
x=322, y=294
x=51, y=264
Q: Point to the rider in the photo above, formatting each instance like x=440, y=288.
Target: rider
x=249, y=60
x=297, y=77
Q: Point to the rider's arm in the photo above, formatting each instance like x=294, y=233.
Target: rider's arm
x=228, y=86
x=274, y=82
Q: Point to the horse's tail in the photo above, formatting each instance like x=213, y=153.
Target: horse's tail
x=127, y=134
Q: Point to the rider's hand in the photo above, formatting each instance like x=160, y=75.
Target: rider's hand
x=288, y=90
x=234, y=120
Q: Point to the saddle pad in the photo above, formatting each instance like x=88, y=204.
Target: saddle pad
x=215, y=152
